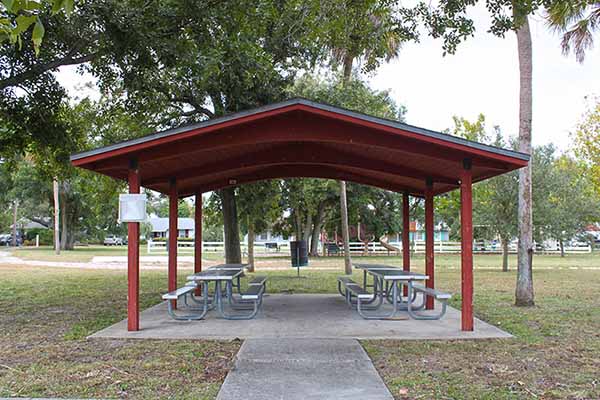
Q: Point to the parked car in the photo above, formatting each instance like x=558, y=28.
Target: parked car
x=6, y=239
x=113, y=240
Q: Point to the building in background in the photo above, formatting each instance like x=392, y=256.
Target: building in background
x=160, y=227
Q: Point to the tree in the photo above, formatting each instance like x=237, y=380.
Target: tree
x=587, y=143
x=524, y=290
x=572, y=202
x=507, y=15
x=495, y=200
x=496, y=206
x=158, y=204
x=577, y=21
x=259, y=207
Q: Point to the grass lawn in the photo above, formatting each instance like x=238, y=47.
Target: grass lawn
x=48, y=312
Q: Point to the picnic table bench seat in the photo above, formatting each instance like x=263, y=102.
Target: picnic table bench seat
x=183, y=292
x=342, y=281
x=177, y=293
x=258, y=280
x=254, y=292
x=359, y=291
x=440, y=296
x=251, y=299
x=365, y=300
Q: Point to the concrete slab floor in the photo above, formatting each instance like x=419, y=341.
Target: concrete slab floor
x=301, y=368
x=301, y=316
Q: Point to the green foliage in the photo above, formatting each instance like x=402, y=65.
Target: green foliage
x=259, y=205
x=46, y=236
x=370, y=31
x=570, y=203
x=577, y=21
x=587, y=143
x=158, y=204
x=19, y=16
x=450, y=19
x=355, y=95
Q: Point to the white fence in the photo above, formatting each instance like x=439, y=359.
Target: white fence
x=187, y=247
x=358, y=248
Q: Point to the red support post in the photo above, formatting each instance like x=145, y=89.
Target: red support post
x=198, y=234
x=405, y=236
x=466, y=230
x=173, y=234
x=429, y=261
x=133, y=256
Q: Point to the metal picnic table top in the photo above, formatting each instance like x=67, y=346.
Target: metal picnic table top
x=397, y=275
x=391, y=273
x=228, y=266
x=216, y=275
x=374, y=266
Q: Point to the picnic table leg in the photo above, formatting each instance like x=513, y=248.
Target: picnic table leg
x=221, y=308
x=360, y=308
x=189, y=317
x=413, y=315
x=233, y=303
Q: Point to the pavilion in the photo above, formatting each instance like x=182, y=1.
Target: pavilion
x=302, y=138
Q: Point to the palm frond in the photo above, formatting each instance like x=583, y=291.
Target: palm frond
x=577, y=20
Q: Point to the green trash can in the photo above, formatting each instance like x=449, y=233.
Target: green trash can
x=299, y=253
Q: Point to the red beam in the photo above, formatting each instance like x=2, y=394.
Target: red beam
x=302, y=153
x=173, y=233
x=133, y=257
x=298, y=171
x=429, y=262
x=405, y=236
x=466, y=230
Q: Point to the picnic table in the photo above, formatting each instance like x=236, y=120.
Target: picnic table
x=387, y=282
x=226, y=274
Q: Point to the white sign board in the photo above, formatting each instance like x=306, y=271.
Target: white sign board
x=132, y=208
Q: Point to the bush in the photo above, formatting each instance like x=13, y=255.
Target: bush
x=46, y=236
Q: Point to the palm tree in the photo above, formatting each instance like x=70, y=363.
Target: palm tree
x=524, y=289
x=577, y=21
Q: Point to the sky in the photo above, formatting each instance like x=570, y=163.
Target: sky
x=482, y=77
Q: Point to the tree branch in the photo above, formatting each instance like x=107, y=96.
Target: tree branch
x=39, y=69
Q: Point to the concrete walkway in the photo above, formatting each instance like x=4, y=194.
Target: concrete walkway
x=309, y=368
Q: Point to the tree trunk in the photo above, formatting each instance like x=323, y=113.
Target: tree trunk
x=504, y=255
x=348, y=61
x=63, y=220
x=318, y=225
x=56, y=217
x=298, y=224
x=14, y=229
x=524, y=291
x=307, y=228
x=562, y=248
x=345, y=230
x=250, y=247
x=233, y=253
